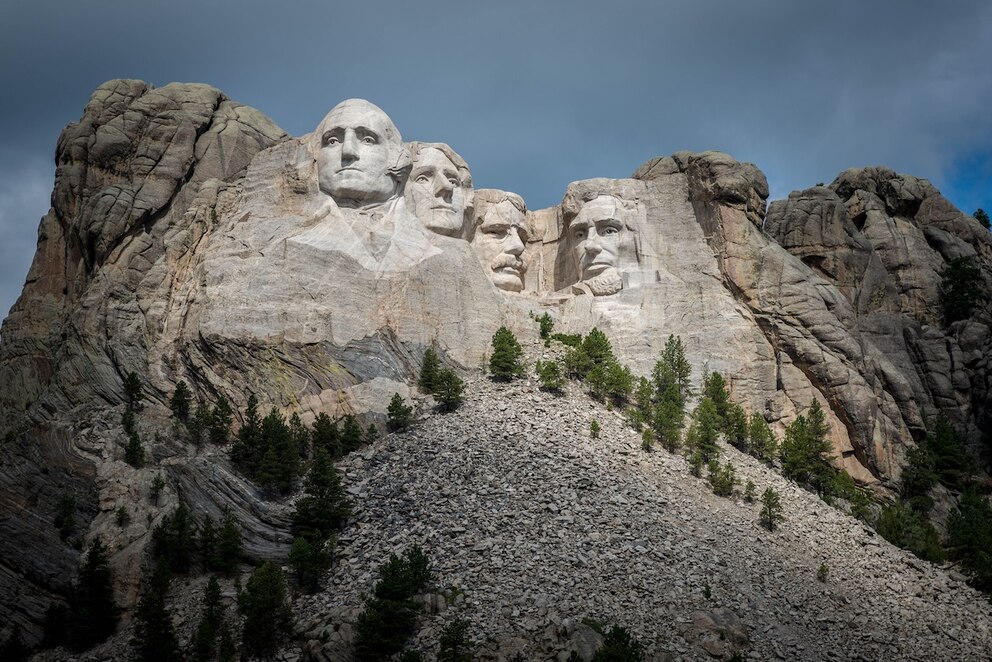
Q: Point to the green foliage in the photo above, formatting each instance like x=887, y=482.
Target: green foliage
x=708, y=427
x=65, y=515
x=198, y=426
x=281, y=462
x=771, y=509
x=550, y=374
x=822, y=572
x=715, y=388
x=324, y=505
x=593, y=352
x=668, y=416
x=398, y=414
x=982, y=217
x=248, y=448
x=644, y=397
x=225, y=649
x=735, y=427
x=594, y=429
x=132, y=392
x=154, y=634
x=155, y=491
x=219, y=427
x=673, y=369
x=951, y=461
x=389, y=618
x=228, y=549
x=506, y=361
x=268, y=619
x=750, y=491
x=722, y=479
x=371, y=433
x=805, y=451
x=761, y=440
x=647, y=440
x=429, y=370
x=211, y=616
x=134, y=452
x=174, y=540
x=904, y=527
x=568, y=339
x=325, y=434
x=449, y=393
x=961, y=289
x=453, y=645
x=969, y=536
x=309, y=561
x=861, y=506
x=181, y=400
x=619, y=383
x=352, y=435
x=547, y=324
x=919, y=475
x=619, y=646
x=91, y=615
x=696, y=464
x=122, y=517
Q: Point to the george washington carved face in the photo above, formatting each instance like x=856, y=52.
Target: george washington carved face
x=360, y=155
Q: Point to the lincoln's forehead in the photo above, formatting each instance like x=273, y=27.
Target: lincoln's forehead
x=604, y=206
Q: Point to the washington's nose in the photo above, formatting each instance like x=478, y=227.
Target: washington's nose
x=349, y=146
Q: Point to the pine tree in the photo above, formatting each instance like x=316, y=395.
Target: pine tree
x=708, y=420
x=449, y=391
x=735, y=426
x=429, y=371
x=225, y=650
x=961, y=288
x=673, y=368
x=982, y=217
x=212, y=614
x=268, y=619
x=309, y=561
x=324, y=506
x=198, y=426
x=619, y=646
x=594, y=429
x=371, y=433
x=325, y=434
x=453, y=645
x=398, y=414
x=220, y=422
x=669, y=417
x=547, y=325
x=771, y=509
x=550, y=375
x=761, y=440
x=644, y=396
x=805, y=451
x=619, y=382
x=134, y=452
x=132, y=392
x=155, y=491
x=180, y=402
x=715, y=388
x=174, y=540
x=506, y=361
x=92, y=612
x=281, y=462
x=352, y=434
x=247, y=451
x=154, y=634
x=229, y=549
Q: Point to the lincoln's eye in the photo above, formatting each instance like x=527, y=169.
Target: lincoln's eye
x=579, y=234
x=610, y=230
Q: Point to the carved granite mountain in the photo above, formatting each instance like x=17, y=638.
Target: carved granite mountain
x=191, y=239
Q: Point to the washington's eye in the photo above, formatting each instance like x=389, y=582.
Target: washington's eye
x=331, y=140
x=369, y=140
x=422, y=179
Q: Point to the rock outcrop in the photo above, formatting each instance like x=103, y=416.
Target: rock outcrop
x=191, y=239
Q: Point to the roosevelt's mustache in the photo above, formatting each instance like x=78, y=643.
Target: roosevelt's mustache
x=507, y=260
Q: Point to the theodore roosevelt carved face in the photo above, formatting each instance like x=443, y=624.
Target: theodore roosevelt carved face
x=361, y=160
x=440, y=188
x=501, y=237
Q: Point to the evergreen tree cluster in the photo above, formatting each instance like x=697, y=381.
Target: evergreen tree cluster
x=178, y=543
x=962, y=289
x=268, y=618
x=205, y=422
x=442, y=383
x=506, y=361
x=805, y=451
x=390, y=615
x=91, y=613
x=134, y=452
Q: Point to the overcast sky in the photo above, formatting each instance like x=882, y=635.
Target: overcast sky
x=534, y=94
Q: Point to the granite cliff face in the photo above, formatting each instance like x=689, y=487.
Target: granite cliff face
x=191, y=239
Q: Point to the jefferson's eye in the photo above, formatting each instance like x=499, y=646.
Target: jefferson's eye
x=422, y=179
x=453, y=181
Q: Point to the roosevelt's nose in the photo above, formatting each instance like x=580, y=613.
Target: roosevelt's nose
x=349, y=146
x=514, y=246
x=443, y=188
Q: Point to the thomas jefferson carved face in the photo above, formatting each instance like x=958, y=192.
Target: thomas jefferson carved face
x=595, y=237
x=499, y=242
x=440, y=191
x=360, y=154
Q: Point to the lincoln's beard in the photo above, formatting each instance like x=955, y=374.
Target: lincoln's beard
x=606, y=283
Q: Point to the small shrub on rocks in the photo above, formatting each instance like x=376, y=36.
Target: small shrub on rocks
x=822, y=572
x=398, y=414
x=749, y=491
x=619, y=646
x=454, y=645
x=771, y=509
x=506, y=361
x=594, y=429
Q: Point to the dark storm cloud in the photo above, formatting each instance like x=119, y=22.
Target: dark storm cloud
x=534, y=94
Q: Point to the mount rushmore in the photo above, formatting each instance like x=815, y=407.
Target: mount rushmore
x=191, y=239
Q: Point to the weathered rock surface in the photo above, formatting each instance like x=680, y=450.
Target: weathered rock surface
x=189, y=240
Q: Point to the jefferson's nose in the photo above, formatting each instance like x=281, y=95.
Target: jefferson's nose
x=443, y=188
